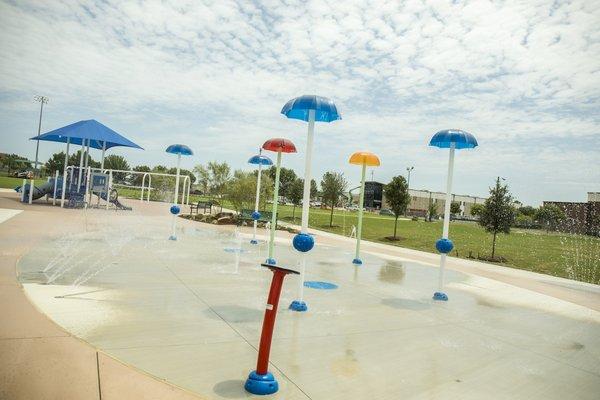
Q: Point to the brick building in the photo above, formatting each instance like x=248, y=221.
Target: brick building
x=581, y=217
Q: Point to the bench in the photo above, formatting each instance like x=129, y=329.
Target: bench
x=265, y=216
x=201, y=205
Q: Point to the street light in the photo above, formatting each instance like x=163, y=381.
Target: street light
x=42, y=100
x=408, y=170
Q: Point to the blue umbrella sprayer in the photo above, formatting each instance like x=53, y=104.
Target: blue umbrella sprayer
x=448, y=139
x=309, y=108
x=259, y=160
x=180, y=150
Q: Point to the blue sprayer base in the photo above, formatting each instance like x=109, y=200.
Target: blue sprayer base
x=261, y=384
x=172, y=237
x=298, y=305
x=357, y=261
x=271, y=261
x=440, y=296
x=253, y=241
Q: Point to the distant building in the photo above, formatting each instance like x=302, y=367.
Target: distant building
x=581, y=217
x=419, y=201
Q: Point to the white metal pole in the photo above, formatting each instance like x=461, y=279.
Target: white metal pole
x=306, y=194
x=446, y=226
x=256, y=202
x=361, y=202
x=149, y=187
x=143, y=184
x=65, y=169
x=88, y=192
x=189, y=188
x=184, y=186
x=80, y=165
x=174, y=217
x=31, y=186
x=103, y=150
x=87, y=154
x=274, y=209
x=56, y=175
x=23, y=190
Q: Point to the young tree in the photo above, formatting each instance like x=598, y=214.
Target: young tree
x=549, y=216
x=333, y=185
x=56, y=162
x=477, y=209
x=455, y=208
x=203, y=176
x=498, y=213
x=314, y=190
x=432, y=210
x=240, y=190
x=295, y=194
x=398, y=198
x=287, y=177
x=114, y=161
x=138, y=178
x=220, y=174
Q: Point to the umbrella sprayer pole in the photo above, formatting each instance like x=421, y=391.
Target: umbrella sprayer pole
x=270, y=259
x=444, y=245
x=175, y=208
x=261, y=381
x=305, y=241
x=256, y=203
x=361, y=202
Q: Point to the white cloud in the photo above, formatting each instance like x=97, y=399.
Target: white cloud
x=216, y=73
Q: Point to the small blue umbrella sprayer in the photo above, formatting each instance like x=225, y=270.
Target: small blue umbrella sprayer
x=448, y=139
x=259, y=160
x=180, y=150
x=309, y=108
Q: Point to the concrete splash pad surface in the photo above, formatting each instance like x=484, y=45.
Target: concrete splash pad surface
x=179, y=311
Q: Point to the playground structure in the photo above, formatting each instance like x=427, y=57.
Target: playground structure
x=81, y=183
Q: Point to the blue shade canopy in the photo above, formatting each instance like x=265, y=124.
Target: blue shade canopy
x=259, y=159
x=325, y=109
x=180, y=149
x=462, y=139
x=91, y=129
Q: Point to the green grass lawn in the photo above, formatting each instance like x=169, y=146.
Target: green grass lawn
x=559, y=254
x=8, y=182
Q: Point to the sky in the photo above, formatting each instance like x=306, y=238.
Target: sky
x=522, y=76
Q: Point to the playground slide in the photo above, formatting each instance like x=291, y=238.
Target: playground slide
x=38, y=191
x=114, y=199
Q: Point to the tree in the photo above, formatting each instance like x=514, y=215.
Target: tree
x=14, y=162
x=138, y=178
x=203, y=176
x=114, y=161
x=56, y=162
x=240, y=190
x=287, y=177
x=398, y=198
x=75, y=157
x=295, y=193
x=477, y=209
x=314, y=190
x=220, y=174
x=527, y=210
x=498, y=213
x=333, y=186
x=432, y=210
x=455, y=208
x=549, y=216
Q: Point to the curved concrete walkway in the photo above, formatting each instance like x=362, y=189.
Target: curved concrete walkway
x=38, y=359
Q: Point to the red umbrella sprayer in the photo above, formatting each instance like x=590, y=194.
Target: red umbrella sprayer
x=309, y=108
x=278, y=145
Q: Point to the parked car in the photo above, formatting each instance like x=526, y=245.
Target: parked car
x=23, y=174
x=386, y=211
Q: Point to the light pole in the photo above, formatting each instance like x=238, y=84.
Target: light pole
x=43, y=100
x=408, y=170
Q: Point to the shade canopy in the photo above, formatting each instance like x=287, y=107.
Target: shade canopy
x=259, y=159
x=279, y=144
x=325, y=109
x=364, y=157
x=92, y=130
x=461, y=139
x=180, y=149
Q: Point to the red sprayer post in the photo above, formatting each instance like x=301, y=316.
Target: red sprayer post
x=261, y=381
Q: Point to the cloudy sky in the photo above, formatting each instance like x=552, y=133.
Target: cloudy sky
x=522, y=76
